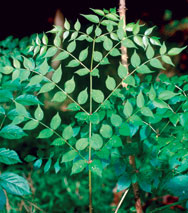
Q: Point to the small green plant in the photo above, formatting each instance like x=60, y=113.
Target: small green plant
x=107, y=122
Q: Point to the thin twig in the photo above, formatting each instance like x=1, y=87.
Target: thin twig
x=122, y=199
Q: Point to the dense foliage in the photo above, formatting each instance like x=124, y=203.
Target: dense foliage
x=91, y=113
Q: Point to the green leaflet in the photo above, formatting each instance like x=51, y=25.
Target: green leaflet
x=82, y=143
x=140, y=100
x=47, y=87
x=55, y=121
x=122, y=71
x=110, y=83
x=128, y=109
x=12, y=132
x=176, y=51
x=96, y=141
x=106, y=131
x=67, y=132
x=83, y=54
x=59, y=97
x=91, y=18
x=56, y=77
x=78, y=166
x=83, y=97
x=39, y=114
x=96, y=167
x=30, y=125
x=69, y=156
x=70, y=85
x=9, y=157
x=135, y=59
x=14, y=184
x=97, y=96
x=45, y=133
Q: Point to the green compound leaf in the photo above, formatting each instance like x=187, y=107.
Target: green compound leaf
x=96, y=141
x=98, y=96
x=166, y=94
x=156, y=63
x=116, y=120
x=43, y=69
x=107, y=44
x=12, y=132
x=128, y=109
x=82, y=143
x=47, y=87
x=110, y=83
x=122, y=71
x=30, y=125
x=59, y=97
x=9, y=157
x=135, y=59
x=69, y=156
x=78, y=166
x=51, y=52
x=146, y=111
x=39, y=114
x=27, y=100
x=124, y=130
x=70, y=85
x=55, y=121
x=167, y=60
x=82, y=72
x=115, y=141
x=45, y=133
x=14, y=184
x=176, y=51
x=91, y=18
x=56, y=77
x=71, y=47
x=152, y=94
x=96, y=167
x=83, y=97
x=83, y=54
x=68, y=132
x=97, y=56
x=140, y=100
x=150, y=52
x=106, y=131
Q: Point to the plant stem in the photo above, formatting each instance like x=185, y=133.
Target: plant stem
x=90, y=130
x=124, y=58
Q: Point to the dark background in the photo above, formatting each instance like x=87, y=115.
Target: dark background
x=21, y=19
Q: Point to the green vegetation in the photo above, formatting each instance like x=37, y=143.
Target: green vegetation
x=79, y=122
